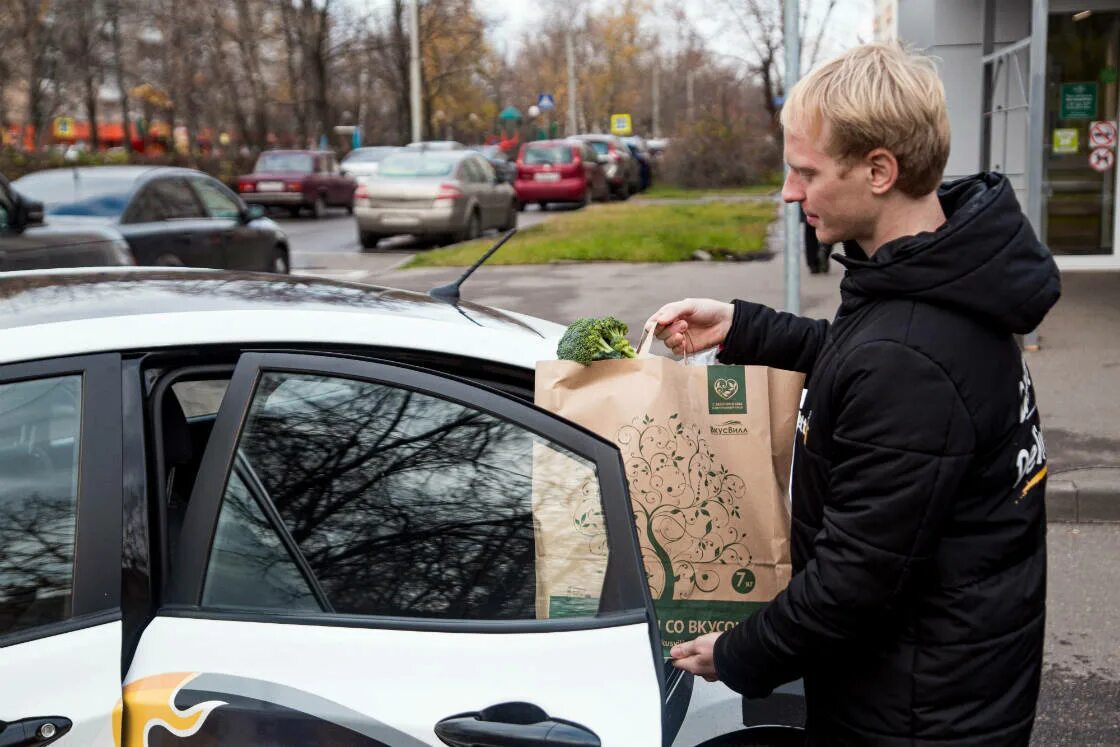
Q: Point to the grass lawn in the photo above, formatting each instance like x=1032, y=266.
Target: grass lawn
x=665, y=191
x=624, y=232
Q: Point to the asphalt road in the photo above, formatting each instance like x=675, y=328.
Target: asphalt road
x=338, y=234
x=1080, y=700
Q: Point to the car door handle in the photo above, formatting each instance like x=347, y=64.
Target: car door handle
x=513, y=725
x=32, y=732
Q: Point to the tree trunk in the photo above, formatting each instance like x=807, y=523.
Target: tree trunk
x=295, y=83
x=251, y=64
x=118, y=69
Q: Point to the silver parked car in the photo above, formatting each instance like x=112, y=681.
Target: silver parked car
x=365, y=161
x=448, y=195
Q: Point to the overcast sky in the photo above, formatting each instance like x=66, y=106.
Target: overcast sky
x=849, y=24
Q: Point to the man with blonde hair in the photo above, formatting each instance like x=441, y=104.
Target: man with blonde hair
x=916, y=608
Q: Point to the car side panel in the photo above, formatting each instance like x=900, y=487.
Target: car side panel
x=393, y=686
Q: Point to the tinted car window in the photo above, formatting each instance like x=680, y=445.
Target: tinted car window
x=600, y=147
x=404, y=504
x=165, y=199
x=39, y=438
x=249, y=564
x=218, y=203
x=547, y=154
x=302, y=162
x=79, y=193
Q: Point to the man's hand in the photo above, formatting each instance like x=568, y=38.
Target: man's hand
x=693, y=324
x=697, y=656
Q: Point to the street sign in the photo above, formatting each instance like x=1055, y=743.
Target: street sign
x=545, y=102
x=1102, y=160
x=1066, y=140
x=1102, y=134
x=1079, y=101
x=63, y=126
x=620, y=124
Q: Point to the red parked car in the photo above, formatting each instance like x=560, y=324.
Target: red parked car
x=298, y=179
x=559, y=171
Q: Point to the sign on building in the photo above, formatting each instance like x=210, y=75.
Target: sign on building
x=1079, y=101
x=1102, y=160
x=1066, y=140
x=620, y=124
x=1102, y=134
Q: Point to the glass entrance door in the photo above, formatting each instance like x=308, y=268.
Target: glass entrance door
x=1080, y=180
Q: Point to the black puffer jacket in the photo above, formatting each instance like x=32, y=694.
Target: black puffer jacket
x=916, y=609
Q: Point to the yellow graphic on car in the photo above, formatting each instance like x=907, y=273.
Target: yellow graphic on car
x=149, y=703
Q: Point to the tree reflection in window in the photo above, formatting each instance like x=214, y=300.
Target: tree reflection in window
x=403, y=504
x=39, y=446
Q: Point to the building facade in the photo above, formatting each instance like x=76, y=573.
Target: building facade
x=1033, y=93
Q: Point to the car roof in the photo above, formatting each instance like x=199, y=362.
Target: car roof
x=53, y=313
x=124, y=173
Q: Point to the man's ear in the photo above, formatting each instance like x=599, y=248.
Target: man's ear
x=882, y=170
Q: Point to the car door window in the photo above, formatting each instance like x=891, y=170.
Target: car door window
x=403, y=504
x=40, y=423
x=218, y=203
x=165, y=199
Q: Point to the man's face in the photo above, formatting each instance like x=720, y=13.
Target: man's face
x=836, y=197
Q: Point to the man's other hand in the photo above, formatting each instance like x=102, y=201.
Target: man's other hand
x=693, y=324
x=697, y=656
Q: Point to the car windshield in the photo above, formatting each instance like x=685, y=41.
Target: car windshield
x=77, y=192
x=419, y=164
x=600, y=147
x=550, y=154
x=302, y=162
x=367, y=155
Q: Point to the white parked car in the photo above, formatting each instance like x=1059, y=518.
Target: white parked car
x=284, y=511
x=365, y=161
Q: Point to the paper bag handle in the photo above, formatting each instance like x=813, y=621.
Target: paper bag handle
x=648, y=337
x=646, y=342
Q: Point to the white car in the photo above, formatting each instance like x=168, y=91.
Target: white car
x=277, y=511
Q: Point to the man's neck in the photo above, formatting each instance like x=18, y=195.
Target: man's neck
x=905, y=216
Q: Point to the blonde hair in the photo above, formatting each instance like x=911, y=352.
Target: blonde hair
x=877, y=96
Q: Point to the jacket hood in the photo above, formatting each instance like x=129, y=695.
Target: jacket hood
x=985, y=260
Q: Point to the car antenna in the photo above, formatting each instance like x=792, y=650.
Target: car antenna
x=450, y=292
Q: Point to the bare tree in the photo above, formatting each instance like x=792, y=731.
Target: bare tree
x=760, y=22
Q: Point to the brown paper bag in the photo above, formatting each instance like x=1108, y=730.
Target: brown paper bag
x=707, y=452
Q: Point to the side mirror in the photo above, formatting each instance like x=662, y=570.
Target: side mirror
x=28, y=213
x=252, y=212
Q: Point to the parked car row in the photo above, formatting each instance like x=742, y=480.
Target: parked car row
x=581, y=169
x=440, y=190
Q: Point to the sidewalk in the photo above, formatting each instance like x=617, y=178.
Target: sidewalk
x=1076, y=373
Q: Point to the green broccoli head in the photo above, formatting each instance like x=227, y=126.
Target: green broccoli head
x=595, y=339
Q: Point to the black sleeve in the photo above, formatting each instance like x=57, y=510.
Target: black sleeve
x=902, y=443
x=761, y=336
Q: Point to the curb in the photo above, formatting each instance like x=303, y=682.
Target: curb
x=1084, y=502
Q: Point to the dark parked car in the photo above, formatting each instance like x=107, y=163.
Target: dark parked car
x=27, y=244
x=559, y=171
x=297, y=179
x=644, y=157
x=168, y=216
